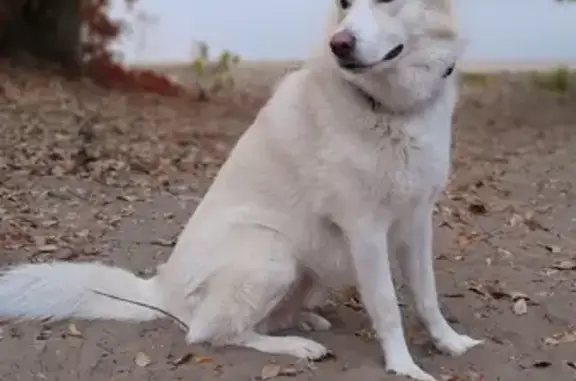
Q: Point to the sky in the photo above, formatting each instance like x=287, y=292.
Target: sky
x=288, y=29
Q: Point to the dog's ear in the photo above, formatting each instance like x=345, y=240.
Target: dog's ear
x=444, y=6
x=444, y=10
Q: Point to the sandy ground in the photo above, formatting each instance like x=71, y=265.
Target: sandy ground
x=89, y=174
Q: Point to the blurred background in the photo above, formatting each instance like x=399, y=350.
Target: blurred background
x=499, y=30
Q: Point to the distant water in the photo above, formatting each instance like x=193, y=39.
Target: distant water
x=517, y=30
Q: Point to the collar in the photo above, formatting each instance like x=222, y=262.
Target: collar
x=374, y=104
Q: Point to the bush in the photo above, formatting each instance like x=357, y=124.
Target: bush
x=214, y=76
x=76, y=35
x=559, y=80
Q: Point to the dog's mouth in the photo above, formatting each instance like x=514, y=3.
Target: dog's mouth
x=355, y=65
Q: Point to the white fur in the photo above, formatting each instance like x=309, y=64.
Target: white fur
x=375, y=27
x=317, y=193
x=61, y=290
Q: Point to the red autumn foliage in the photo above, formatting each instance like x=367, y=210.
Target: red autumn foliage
x=99, y=60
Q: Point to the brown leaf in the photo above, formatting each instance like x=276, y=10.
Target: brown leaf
x=365, y=334
x=515, y=295
x=290, y=372
x=477, y=289
x=454, y=295
x=542, y=364
x=354, y=303
x=450, y=377
x=270, y=371
x=533, y=224
x=515, y=220
x=505, y=253
x=552, y=249
x=203, y=359
x=478, y=208
x=561, y=338
x=496, y=291
x=565, y=265
x=47, y=248
x=164, y=242
x=184, y=359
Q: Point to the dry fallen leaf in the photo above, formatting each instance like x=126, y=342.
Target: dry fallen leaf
x=203, y=359
x=528, y=220
x=515, y=295
x=515, y=220
x=164, y=242
x=47, y=248
x=561, y=338
x=533, y=224
x=496, y=290
x=270, y=371
x=351, y=299
x=565, y=265
x=142, y=359
x=290, y=372
x=184, y=359
x=365, y=334
x=478, y=208
x=520, y=307
x=505, y=253
x=553, y=249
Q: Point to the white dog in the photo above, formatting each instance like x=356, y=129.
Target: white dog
x=341, y=168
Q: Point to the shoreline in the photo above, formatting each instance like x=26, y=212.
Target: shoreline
x=466, y=66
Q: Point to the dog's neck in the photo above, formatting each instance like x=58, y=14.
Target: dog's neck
x=376, y=105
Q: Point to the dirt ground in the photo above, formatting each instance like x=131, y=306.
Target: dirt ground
x=89, y=174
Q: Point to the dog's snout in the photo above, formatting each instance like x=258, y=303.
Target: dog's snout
x=343, y=44
x=394, y=52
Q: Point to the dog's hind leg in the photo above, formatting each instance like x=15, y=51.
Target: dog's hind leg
x=243, y=293
x=295, y=311
x=235, y=322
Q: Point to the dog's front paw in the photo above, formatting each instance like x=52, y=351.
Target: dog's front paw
x=410, y=370
x=304, y=348
x=455, y=344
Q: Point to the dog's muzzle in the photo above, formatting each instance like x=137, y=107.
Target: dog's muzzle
x=343, y=46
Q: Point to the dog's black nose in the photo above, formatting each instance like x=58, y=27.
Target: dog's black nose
x=343, y=44
x=394, y=52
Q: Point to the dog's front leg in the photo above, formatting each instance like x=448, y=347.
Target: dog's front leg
x=369, y=249
x=413, y=244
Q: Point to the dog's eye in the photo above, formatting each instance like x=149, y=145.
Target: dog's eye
x=345, y=4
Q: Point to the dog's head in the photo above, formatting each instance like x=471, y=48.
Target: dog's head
x=414, y=40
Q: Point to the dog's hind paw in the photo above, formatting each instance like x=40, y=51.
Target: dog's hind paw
x=288, y=345
x=310, y=321
x=455, y=344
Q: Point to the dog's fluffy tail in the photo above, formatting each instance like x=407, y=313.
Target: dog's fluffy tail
x=63, y=290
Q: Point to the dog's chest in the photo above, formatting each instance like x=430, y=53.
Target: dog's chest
x=393, y=166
